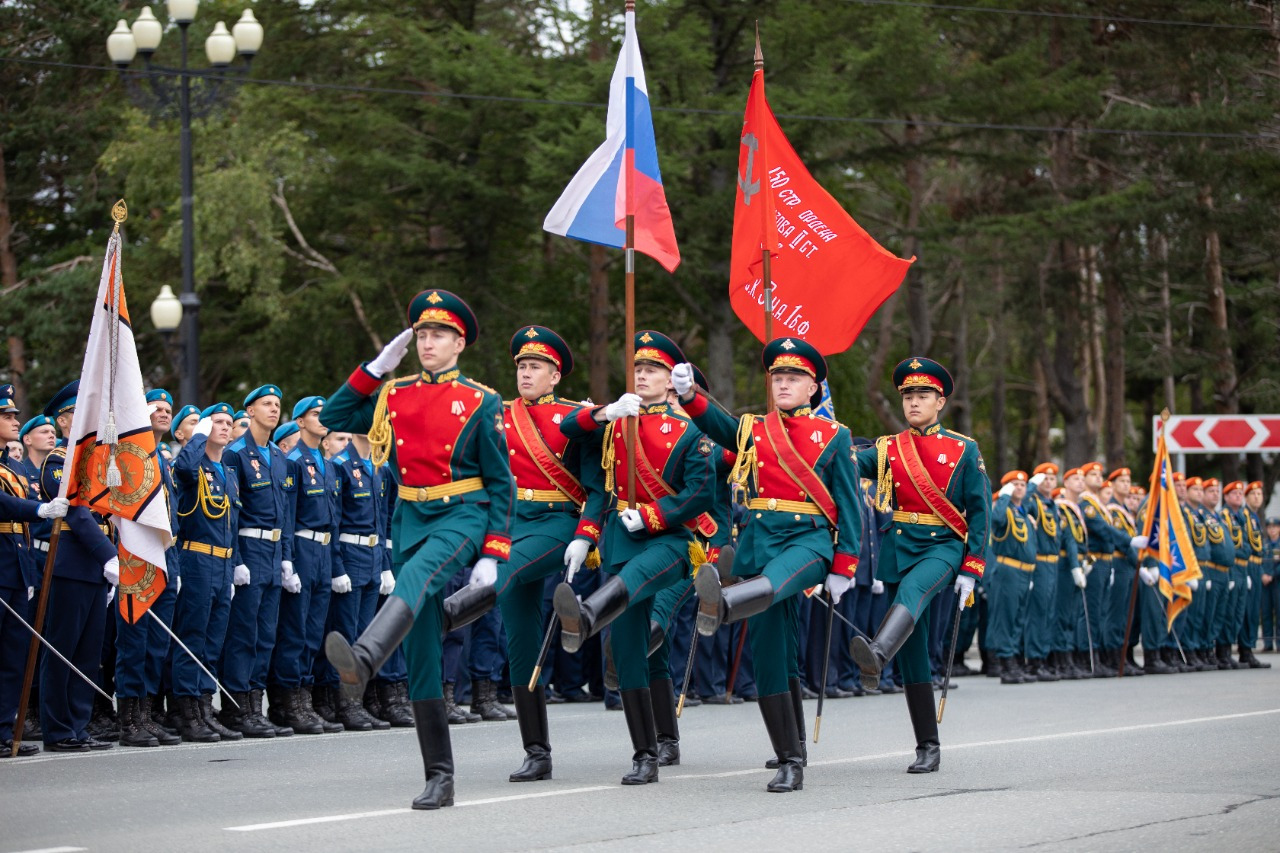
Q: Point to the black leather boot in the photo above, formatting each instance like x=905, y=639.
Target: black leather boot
x=872, y=657
x=994, y=667
x=721, y=605
x=256, y=696
x=1248, y=659
x=163, y=736
x=662, y=694
x=194, y=728
x=924, y=721
x=779, y=716
x=357, y=663
x=352, y=715
x=637, y=706
x=131, y=731
x=277, y=705
x=242, y=719
x=1101, y=669
x=467, y=605
x=372, y=709
x=306, y=702
x=394, y=711
x=298, y=714
x=1010, y=672
x=531, y=713
x=456, y=714
x=580, y=620
x=1046, y=671
x=797, y=704
x=484, y=702
x=432, y=725
x=205, y=704
x=1131, y=668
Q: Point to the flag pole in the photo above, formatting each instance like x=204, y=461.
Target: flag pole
x=766, y=256
x=1133, y=593
x=629, y=345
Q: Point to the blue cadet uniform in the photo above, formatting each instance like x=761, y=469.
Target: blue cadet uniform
x=803, y=526
x=443, y=433
x=304, y=604
x=648, y=548
x=935, y=481
x=1014, y=532
x=17, y=579
x=265, y=546
x=208, y=508
x=142, y=647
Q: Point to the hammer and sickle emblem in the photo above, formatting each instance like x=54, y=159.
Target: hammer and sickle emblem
x=748, y=186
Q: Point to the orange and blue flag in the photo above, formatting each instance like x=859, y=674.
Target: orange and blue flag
x=1169, y=542
x=621, y=178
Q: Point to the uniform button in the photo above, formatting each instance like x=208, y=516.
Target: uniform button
x=462, y=419
x=393, y=414
x=897, y=485
x=508, y=426
x=953, y=464
x=512, y=452
x=445, y=499
x=404, y=470
x=448, y=447
x=760, y=465
x=478, y=395
x=393, y=391
x=893, y=459
x=399, y=441
x=931, y=533
x=797, y=518
x=668, y=444
x=758, y=515
x=899, y=532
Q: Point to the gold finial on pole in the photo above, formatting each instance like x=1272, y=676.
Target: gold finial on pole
x=119, y=213
x=1164, y=414
x=759, y=53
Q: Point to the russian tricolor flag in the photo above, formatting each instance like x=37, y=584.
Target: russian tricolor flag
x=622, y=175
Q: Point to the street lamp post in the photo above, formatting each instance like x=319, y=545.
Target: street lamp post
x=221, y=47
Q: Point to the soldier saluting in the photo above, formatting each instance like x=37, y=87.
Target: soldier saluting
x=444, y=434
x=936, y=483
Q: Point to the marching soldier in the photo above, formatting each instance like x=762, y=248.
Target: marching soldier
x=1050, y=535
x=649, y=539
x=937, y=484
x=18, y=569
x=265, y=552
x=559, y=509
x=445, y=434
x=1009, y=584
x=803, y=529
x=208, y=518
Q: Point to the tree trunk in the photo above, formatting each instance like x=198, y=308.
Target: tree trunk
x=1166, y=311
x=1114, y=427
x=999, y=422
x=598, y=324
x=719, y=368
x=9, y=279
x=962, y=411
x=920, y=326
x=878, y=370
x=1224, y=383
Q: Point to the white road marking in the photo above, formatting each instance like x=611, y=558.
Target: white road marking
x=284, y=824
x=55, y=850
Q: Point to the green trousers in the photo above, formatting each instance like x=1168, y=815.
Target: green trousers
x=420, y=581
x=663, y=562
x=1007, y=602
x=773, y=633
x=1038, y=633
x=666, y=604
x=520, y=585
x=922, y=582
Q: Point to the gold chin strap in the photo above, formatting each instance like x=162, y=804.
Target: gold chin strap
x=380, y=430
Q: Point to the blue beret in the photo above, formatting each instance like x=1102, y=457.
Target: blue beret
x=284, y=431
x=217, y=409
x=262, y=391
x=159, y=394
x=35, y=423
x=184, y=413
x=1273, y=520
x=240, y=415
x=306, y=404
x=7, y=403
x=64, y=400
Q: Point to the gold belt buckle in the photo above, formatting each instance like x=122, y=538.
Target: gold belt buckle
x=275, y=535
x=773, y=503
x=373, y=539
x=528, y=494
x=422, y=493
x=915, y=518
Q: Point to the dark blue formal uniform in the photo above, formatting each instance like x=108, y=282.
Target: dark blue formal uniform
x=16, y=569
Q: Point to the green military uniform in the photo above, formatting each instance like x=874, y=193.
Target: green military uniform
x=804, y=522
x=1041, y=621
x=673, y=491
x=1124, y=566
x=1073, y=652
x=1225, y=541
x=1252, y=594
x=1103, y=542
x=1014, y=543
x=444, y=436
x=935, y=482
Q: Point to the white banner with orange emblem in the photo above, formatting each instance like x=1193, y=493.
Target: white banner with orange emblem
x=114, y=469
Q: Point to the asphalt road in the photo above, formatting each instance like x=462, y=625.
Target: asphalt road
x=1187, y=762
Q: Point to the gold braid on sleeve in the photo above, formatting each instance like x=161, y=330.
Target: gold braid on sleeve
x=884, y=475
x=607, y=459
x=380, y=430
x=745, y=462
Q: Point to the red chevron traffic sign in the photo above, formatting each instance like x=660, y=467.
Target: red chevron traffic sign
x=1221, y=433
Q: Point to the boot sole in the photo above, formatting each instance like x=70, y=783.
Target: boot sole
x=430, y=807
x=569, y=611
x=868, y=664
x=707, y=586
x=343, y=658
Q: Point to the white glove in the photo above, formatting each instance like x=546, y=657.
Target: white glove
x=240, y=576
x=1077, y=575
x=632, y=521
x=391, y=355
x=56, y=508
x=1194, y=584
x=1031, y=585
x=1006, y=489
x=682, y=378
x=1088, y=568
x=485, y=572
x=1139, y=542
x=1230, y=585
x=111, y=595
x=292, y=583
x=178, y=584
x=1035, y=481
x=574, y=556
x=111, y=571
x=1111, y=579
x=1248, y=583
x=341, y=584
x=31, y=593
x=877, y=587
x=836, y=586
x=387, y=583
x=204, y=427
x=1208, y=585
x=964, y=588
x=627, y=406
x=1148, y=575
x=286, y=570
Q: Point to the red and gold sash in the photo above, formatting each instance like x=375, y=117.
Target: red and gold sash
x=933, y=496
x=17, y=485
x=547, y=462
x=655, y=486
x=798, y=469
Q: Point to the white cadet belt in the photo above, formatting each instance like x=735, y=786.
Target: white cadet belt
x=370, y=541
x=314, y=536
x=40, y=544
x=259, y=533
